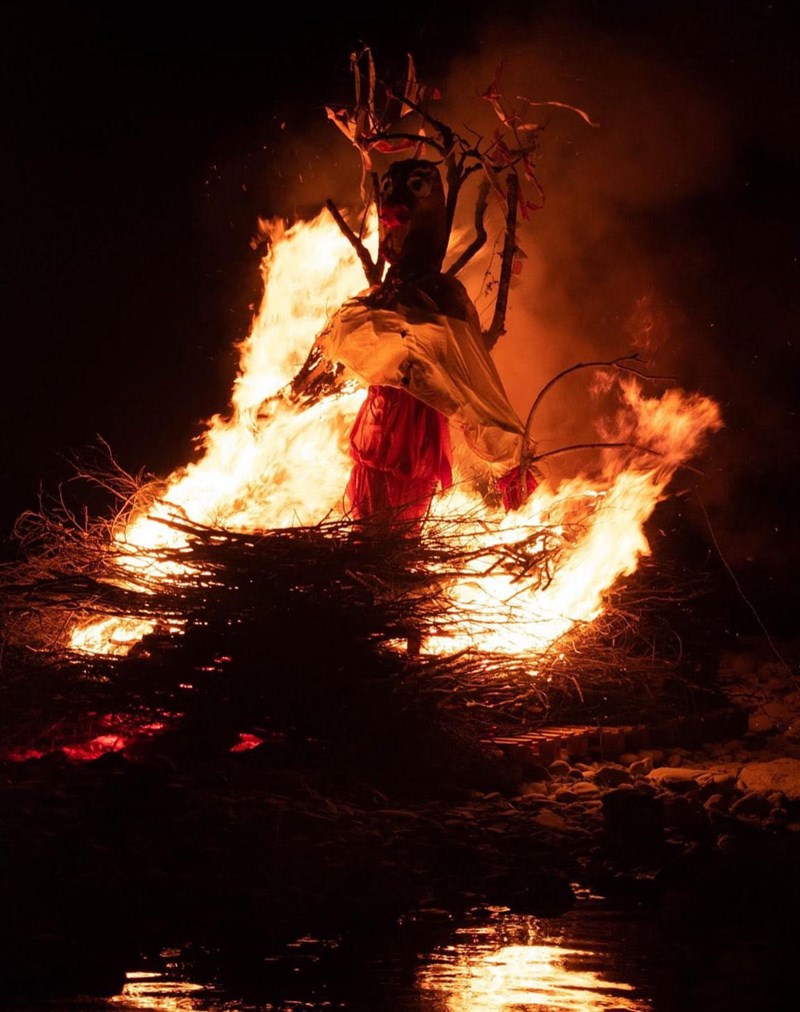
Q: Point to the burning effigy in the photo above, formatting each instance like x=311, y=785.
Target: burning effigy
x=416, y=340
x=370, y=453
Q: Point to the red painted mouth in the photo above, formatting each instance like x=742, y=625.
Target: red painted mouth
x=395, y=215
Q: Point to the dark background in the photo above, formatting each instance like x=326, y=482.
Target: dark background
x=140, y=146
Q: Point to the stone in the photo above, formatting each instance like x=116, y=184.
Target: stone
x=584, y=789
x=723, y=776
x=550, y=820
x=633, y=820
x=674, y=778
x=752, y=803
x=627, y=806
x=432, y=914
x=533, y=790
x=778, y=711
x=559, y=768
x=542, y=894
x=715, y=803
x=641, y=767
x=778, y=817
x=686, y=816
x=760, y=723
x=628, y=757
x=612, y=776
x=775, y=775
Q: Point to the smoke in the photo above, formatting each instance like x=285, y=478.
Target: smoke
x=640, y=247
x=591, y=287
x=637, y=247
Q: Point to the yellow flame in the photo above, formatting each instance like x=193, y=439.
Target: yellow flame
x=114, y=636
x=266, y=464
x=270, y=463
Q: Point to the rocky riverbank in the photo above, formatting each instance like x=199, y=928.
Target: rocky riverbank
x=103, y=859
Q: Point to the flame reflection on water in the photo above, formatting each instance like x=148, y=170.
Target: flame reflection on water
x=145, y=990
x=515, y=967
x=507, y=964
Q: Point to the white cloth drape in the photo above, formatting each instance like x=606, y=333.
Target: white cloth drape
x=439, y=359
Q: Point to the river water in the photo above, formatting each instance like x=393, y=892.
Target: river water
x=677, y=956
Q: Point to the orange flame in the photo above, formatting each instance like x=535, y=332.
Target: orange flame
x=272, y=464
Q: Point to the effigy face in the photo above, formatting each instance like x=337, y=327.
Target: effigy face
x=413, y=216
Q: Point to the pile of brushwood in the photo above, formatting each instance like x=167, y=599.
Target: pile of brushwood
x=368, y=789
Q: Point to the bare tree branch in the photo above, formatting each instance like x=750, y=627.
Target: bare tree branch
x=593, y=446
x=614, y=363
x=370, y=267
x=498, y=325
x=480, y=231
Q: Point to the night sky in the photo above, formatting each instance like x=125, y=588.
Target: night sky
x=140, y=148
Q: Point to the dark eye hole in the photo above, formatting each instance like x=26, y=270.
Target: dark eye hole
x=419, y=185
x=386, y=186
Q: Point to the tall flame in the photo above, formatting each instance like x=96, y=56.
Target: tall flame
x=270, y=463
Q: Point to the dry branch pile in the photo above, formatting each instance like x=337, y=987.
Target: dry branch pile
x=308, y=631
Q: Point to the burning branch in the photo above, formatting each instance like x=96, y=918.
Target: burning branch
x=360, y=595
x=372, y=270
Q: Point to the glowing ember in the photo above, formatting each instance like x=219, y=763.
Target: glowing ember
x=272, y=463
x=246, y=742
x=118, y=732
x=111, y=635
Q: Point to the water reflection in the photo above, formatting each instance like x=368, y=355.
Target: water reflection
x=518, y=963
x=152, y=991
x=504, y=961
x=732, y=949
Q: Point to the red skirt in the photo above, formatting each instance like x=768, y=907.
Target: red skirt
x=401, y=452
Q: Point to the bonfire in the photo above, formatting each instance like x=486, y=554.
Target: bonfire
x=504, y=575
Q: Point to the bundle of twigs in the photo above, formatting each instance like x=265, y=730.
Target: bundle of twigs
x=306, y=631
